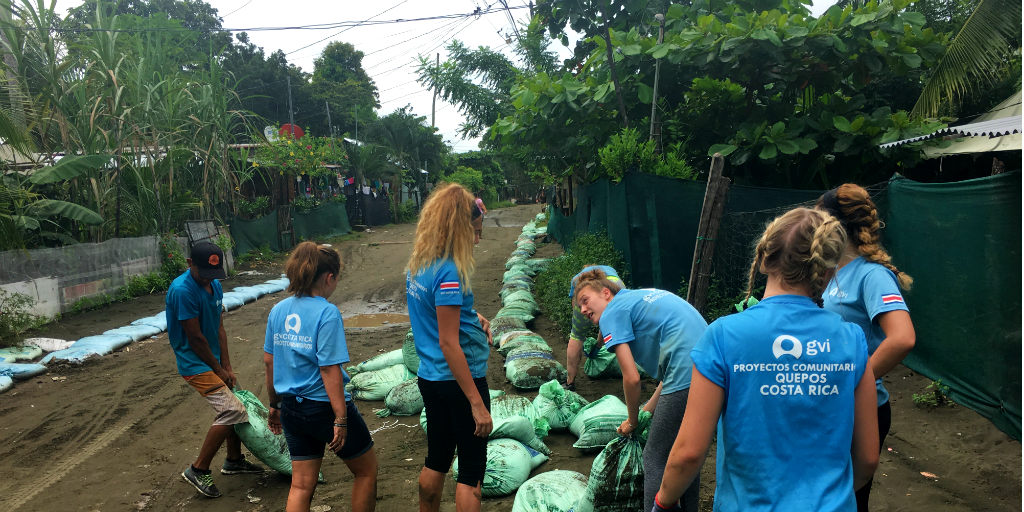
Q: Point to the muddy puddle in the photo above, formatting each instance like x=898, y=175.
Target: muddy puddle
x=375, y=320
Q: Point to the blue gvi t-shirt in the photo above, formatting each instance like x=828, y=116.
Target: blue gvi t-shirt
x=660, y=329
x=859, y=293
x=186, y=300
x=438, y=285
x=303, y=334
x=789, y=370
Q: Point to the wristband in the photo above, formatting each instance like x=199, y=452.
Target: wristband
x=341, y=425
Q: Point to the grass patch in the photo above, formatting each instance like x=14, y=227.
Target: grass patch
x=552, y=285
x=258, y=257
x=502, y=204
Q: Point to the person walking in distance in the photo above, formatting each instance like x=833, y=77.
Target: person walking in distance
x=867, y=292
x=196, y=332
x=785, y=385
x=453, y=343
x=656, y=330
x=303, y=352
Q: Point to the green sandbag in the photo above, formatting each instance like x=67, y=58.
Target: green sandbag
x=507, y=406
x=512, y=342
x=552, y=491
x=403, y=400
x=529, y=349
x=26, y=353
x=507, y=336
x=378, y=362
x=596, y=423
x=520, y=429
x=493, y=392
x=409, y=355
x=375, y=384
x=256, y=436
x=516, y=313
x=557, y=405
x=616, y=479
x=500, y=326
x=531, y=371
x=518, y=296
x=509, y=463
x=602, y=363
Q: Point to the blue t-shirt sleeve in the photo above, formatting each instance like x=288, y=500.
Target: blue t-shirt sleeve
x=331, y=348
x=186, y=304
x=880, y=292
x=708, y=358
x=616, y=327
x=447, y=289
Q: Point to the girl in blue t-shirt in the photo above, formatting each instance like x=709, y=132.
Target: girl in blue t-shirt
x=581, y=325
x=303, y=352
x=655, y=330
x=787, y=385
x=866, y=291
x=453, y=343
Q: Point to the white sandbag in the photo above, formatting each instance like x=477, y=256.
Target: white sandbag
x=6, y=383
x=266, y=288
x=71, y=355
x=49, y=344
x=158, y=320
x=137, y=332
x=552, y=491
x=248, y=293
x=21, y=371
x=232, y=301
x=283, y=282
x=509, y=463
x=24, y=353
x=89, y=346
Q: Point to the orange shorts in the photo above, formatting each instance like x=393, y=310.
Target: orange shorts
x=230, y=410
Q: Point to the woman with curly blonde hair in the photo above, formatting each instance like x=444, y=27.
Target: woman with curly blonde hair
x=866, y=291
x=453, y=343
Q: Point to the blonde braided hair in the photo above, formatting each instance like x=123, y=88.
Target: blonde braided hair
x=800, y=246
x=859, y=215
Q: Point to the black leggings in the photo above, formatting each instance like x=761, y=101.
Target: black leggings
x=884, y=422
x=450, y=425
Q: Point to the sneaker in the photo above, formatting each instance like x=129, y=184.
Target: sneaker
x=235, y=467
x=570, y=387
x=202, y=482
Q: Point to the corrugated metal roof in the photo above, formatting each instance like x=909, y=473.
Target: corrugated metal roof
x=993, y=128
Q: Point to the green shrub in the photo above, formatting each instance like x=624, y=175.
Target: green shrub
x=934, y=395
x=254, y=209
x=15, y=316
x=552, y=285
x=498, y=204
x=624, y=150
x=256, y=257
x=173, y=257
x=403, y=213
x=338, y=198
x=720, y=300
x=304, y=204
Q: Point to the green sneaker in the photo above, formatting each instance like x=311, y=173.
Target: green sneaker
x=202, y=483
x=236, y=467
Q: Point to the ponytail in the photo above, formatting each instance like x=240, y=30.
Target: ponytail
x=306, y=264
x=852, y=205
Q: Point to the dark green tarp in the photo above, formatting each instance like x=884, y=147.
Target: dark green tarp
x=961, y=242
x=252, y=234
x=327, y=220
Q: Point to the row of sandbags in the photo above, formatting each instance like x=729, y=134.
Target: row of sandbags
x=58, y=350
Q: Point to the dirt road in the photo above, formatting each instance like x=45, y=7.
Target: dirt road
x=115, y=434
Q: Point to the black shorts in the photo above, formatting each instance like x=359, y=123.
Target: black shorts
x=309, y=427
x=450, y=425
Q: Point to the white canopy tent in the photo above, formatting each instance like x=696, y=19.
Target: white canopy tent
x=998, y=129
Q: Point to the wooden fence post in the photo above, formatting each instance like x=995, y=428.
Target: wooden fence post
x=707, y=231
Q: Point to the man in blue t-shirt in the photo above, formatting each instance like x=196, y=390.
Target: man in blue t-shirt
x=196, y=332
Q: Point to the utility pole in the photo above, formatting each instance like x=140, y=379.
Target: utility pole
x=433, y=102
x=330, y=128
x=291, y=111
x=655, y=125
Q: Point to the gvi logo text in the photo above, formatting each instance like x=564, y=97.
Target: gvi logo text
x=796, y=351
x=290, y=326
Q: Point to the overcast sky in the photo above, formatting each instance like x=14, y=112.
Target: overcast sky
x=390, y=50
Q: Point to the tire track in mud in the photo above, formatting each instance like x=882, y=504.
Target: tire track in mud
x=111, y=422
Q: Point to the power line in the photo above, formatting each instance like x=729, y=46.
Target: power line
x=349, y=28
x=236, y=10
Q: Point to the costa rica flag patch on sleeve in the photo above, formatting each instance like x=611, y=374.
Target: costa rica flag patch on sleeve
x=892, y=298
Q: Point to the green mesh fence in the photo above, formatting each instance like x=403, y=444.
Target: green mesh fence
x=252, y=234
x=960, y=241
x=329, y=219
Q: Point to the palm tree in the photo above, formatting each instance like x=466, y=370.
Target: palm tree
x=981, y=47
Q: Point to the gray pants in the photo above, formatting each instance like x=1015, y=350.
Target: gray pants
x=668, y=416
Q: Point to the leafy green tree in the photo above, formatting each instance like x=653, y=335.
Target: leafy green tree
x=339, y=79
x=468, y=177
